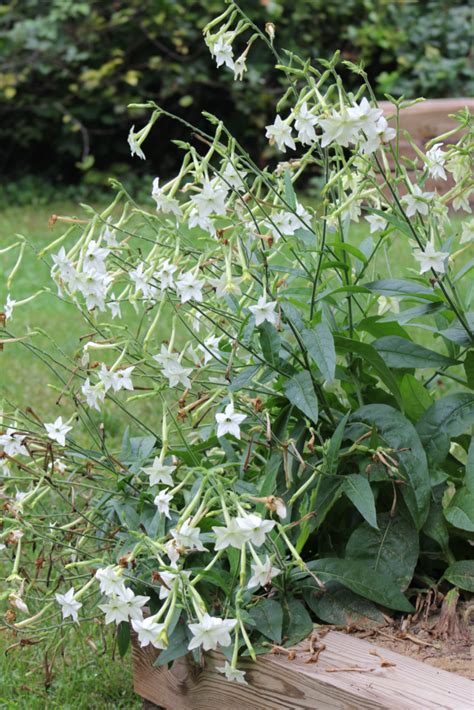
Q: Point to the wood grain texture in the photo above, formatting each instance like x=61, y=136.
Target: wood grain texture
x=275, y=683
x=425, y=121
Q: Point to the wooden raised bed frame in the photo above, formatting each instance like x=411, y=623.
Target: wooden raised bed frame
x=348, y=675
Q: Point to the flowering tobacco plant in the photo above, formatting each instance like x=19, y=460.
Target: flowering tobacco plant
x=290, y=449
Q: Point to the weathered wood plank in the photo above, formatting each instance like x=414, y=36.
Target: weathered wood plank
x=424, y=122
x=275, y=683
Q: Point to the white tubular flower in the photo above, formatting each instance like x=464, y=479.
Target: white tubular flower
x=222, y=51
x=264, y=311
x=467, y=232
x=280, y=133
x=8, y=307
x=159, y=472
x=229, y=421
x=69, y=605
x=435, y=159
x=431, y=259
x=417, y=202
x=168, y=580
x=232, y=674
x=211, y=199
x=377, y=223
x=110, y=580
x=235, y=178
x=230, y=536
x=340, y=128
x=304, y=124
x=165, y=274
x=57, y=431
x=94, y=394
x=162, y=502
x=187, y=537
x=255, y=527
x=210, y=632
x=164, y=203
x=12, y=443
x=149, y=631
x=387, y=304
x=262, y=573
x=189, y=287
x=134, y=144
x=210, y=348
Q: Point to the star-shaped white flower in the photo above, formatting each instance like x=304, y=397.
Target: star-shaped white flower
x=232, y=673
x=187, y=537
x=230, y=536
x=57, y=431
x=110, y=580
x=264, y=311
x=162, y=502
x=280, y=133
x=69, y=605
x=135, y=144
x=255, y=527
x=417, y=202
x=159, y=472
x=377, y=223
x=262, y=573
x=431, y=259
x=210, y=632
x=229, y=421
x=189, y=287
x=149, y=631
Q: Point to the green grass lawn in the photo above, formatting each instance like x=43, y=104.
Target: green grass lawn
x=84, y=677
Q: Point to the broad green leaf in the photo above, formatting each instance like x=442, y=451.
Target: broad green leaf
x=436, y=528
x=244, y=378
x=416, y=398
x=372, y=357
x=358, y=490
x=469, y=368
x=217, y=577
x=461, y=574
x=396, y=222
x=470, y=467
x=399, y=352
x=322, y=499
x=299, y=390
x=460, y=510
x=270, y=343
x=267, y=615
x=357, y=576
x=335, y=445
x=391, y=550
x=401, y=287
x=320, y=345
x=123, y=637
x=341, y=607
x=298, y=623
x=400, y=434
x=450, y=416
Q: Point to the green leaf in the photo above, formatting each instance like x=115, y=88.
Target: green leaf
x=332, y=456
x=267, y=615
x=401, y=287
x=470, y=467
x=448, y=417
x=435, y=527
x=461, y=574
x=402, y=437
x=244, y=378
x=300, y=392
x=177, y=646
x=357, y=576
x=298, y=623
x=392, y=550
x=290, y=196
x=469, y=368
x=358, y=490
x=320, y=345
x=217, y=577
x=123, y=637
x=416, y=398
x=370, y=355
x=399, y=352
x=460, y=510
x=341, y=607
x=270, y=343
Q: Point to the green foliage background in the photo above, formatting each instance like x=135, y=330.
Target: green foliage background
x=69, y=68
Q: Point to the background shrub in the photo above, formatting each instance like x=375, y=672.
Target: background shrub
x=69, y=69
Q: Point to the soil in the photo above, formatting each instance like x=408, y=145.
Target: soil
x=444, y=639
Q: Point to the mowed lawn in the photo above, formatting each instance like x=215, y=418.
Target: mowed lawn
x=83, y=674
